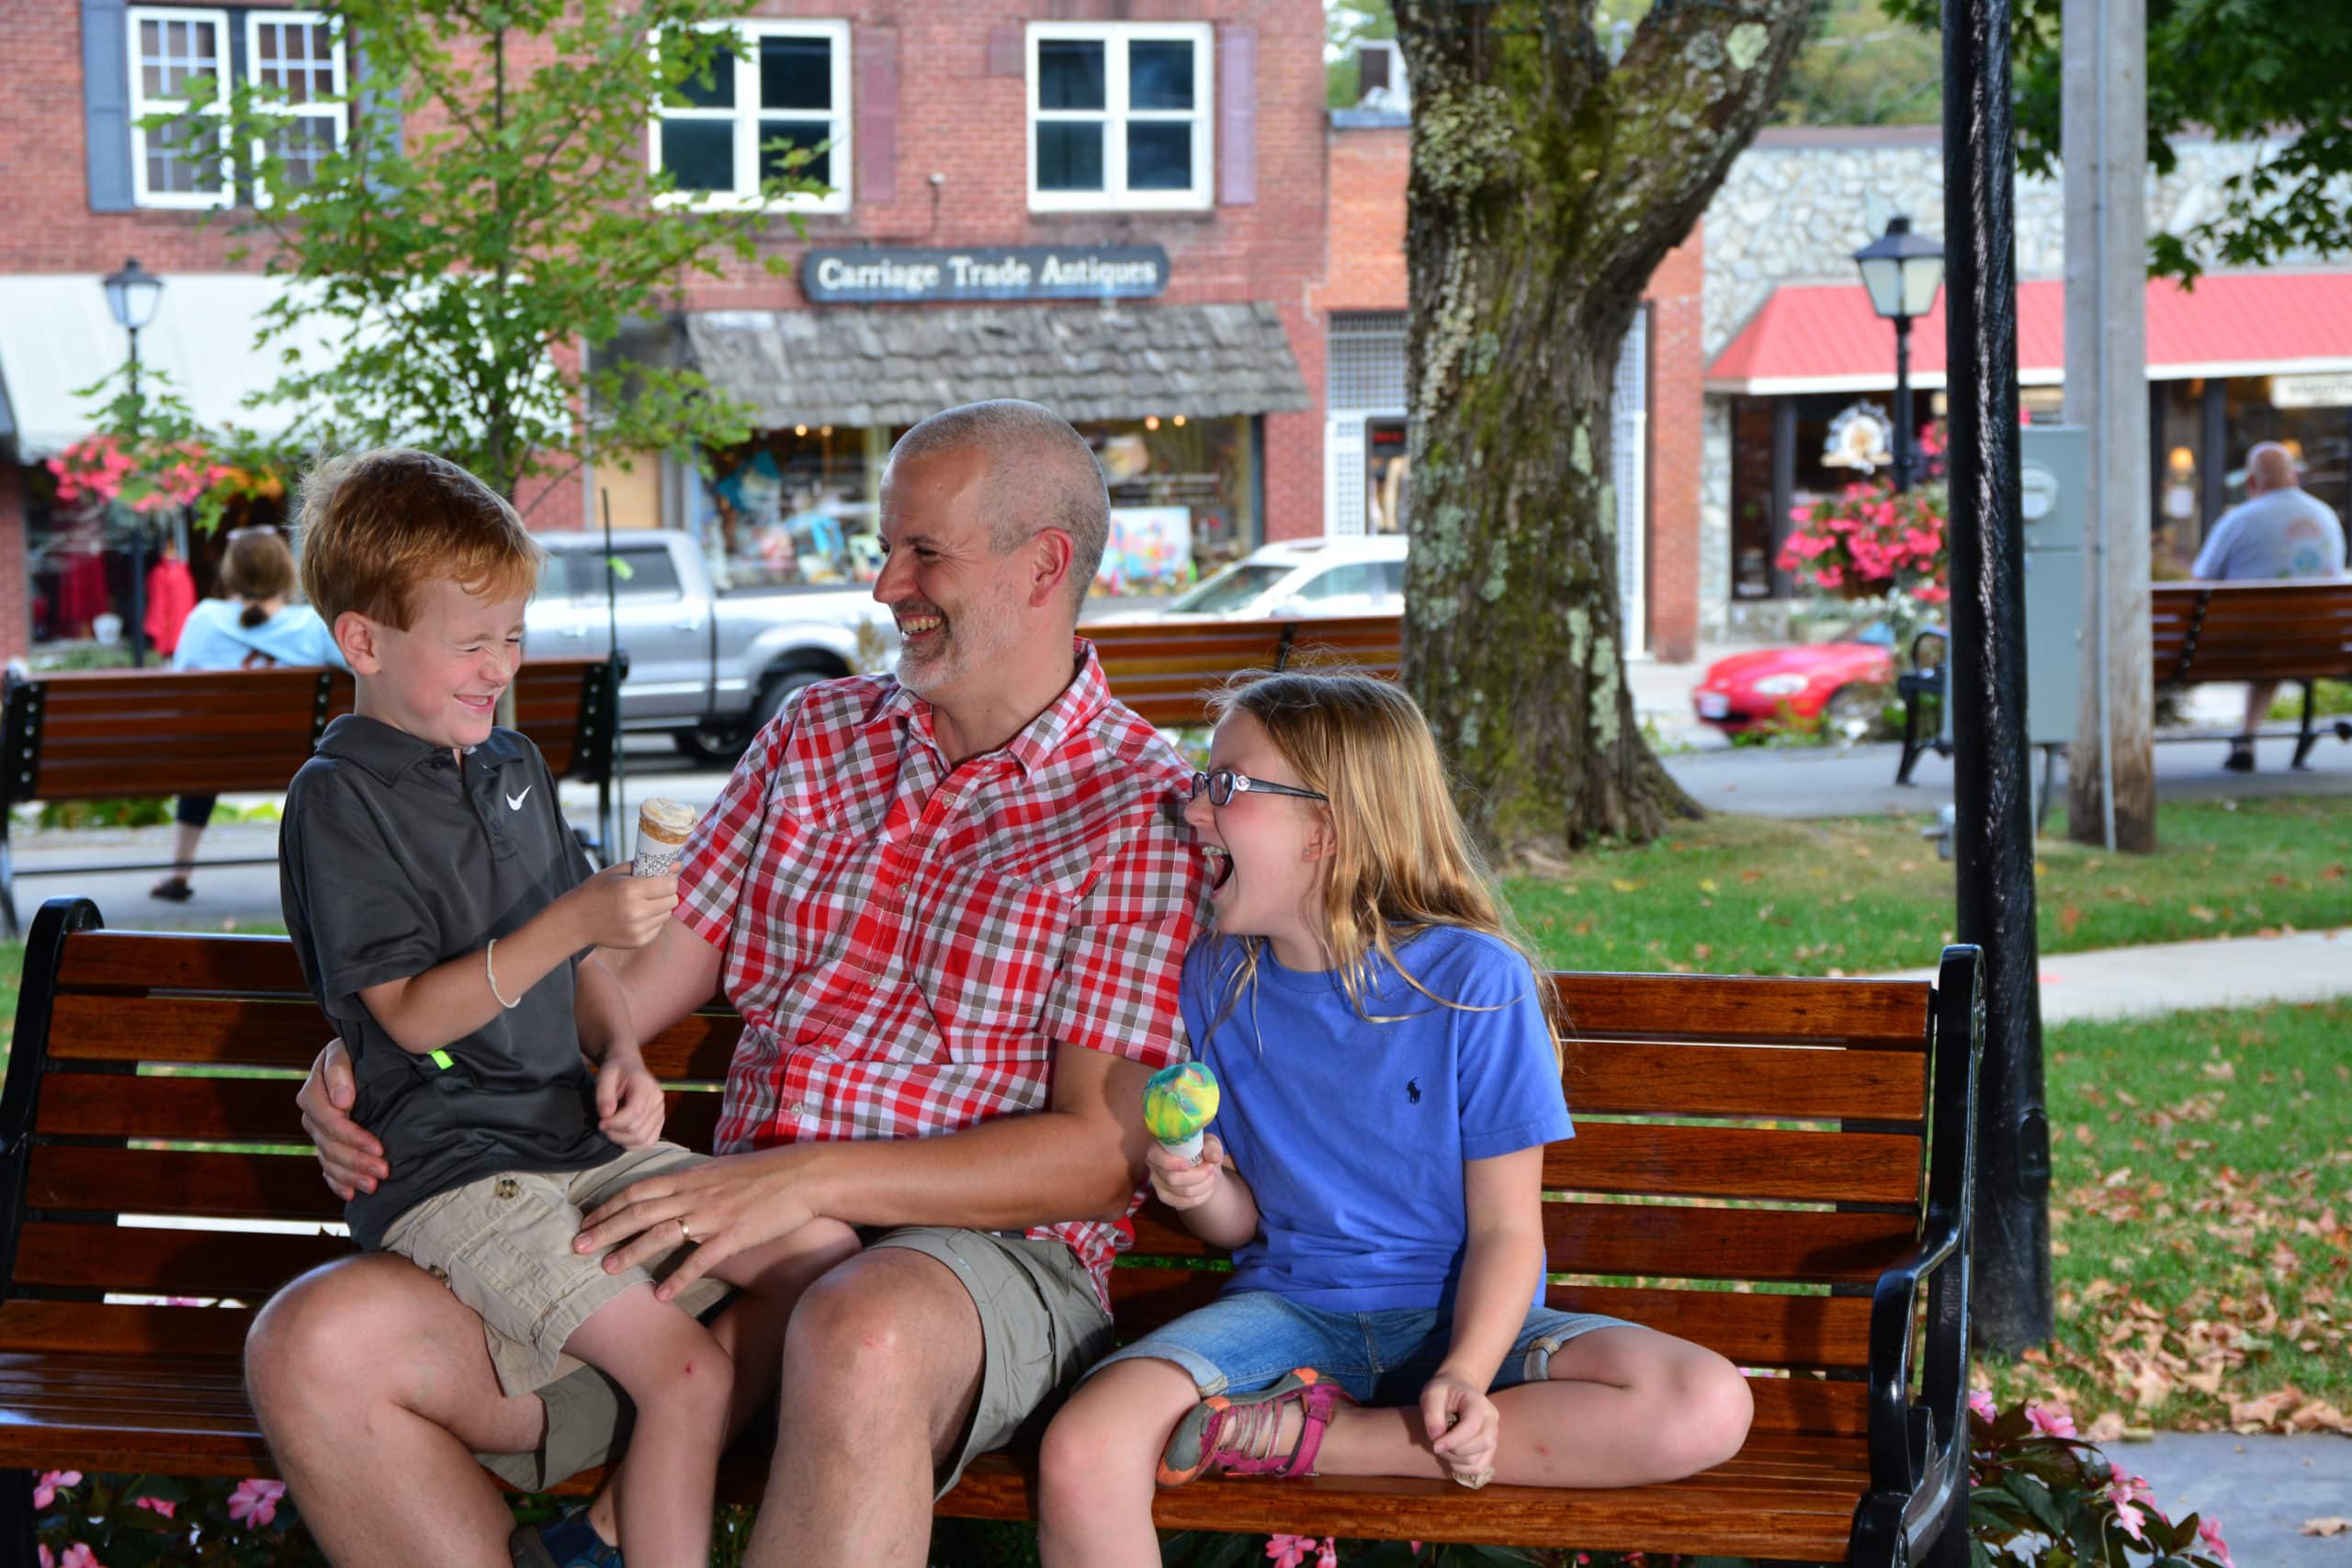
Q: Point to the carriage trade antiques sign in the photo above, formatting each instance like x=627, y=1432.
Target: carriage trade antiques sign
x=1006, y=272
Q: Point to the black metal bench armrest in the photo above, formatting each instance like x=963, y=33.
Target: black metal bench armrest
x=1919, y=1448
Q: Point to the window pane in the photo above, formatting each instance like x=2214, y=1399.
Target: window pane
x=1069, y=74
x=297, y=57
x=795, y=133
x=182, y=158
x=795, y=73
x=719, y=92
x=650, y=575
x=700, y=153
x=302, y=143
x=1160, y=75
x=1159, y=154
x=1070, y=155
x=172, y=54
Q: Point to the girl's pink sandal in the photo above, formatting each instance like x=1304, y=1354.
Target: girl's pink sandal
x=1236, y=1432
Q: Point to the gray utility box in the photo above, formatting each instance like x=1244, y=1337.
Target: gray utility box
x=2054, y=473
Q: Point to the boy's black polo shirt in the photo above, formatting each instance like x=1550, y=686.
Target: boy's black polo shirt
x=393, y=859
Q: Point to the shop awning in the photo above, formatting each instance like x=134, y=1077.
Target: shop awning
x=1823, y=338
x=862, y=367
x=56, y=334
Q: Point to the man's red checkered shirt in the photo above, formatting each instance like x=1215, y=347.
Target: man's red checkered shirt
x=907, y=941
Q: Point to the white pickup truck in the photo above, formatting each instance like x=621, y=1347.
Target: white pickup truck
x=707, y=665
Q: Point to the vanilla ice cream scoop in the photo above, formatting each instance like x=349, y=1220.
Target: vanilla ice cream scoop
x=662, y=829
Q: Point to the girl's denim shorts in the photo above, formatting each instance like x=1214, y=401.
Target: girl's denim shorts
x=1245, y=1341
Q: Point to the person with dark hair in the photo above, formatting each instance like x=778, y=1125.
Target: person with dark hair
x=252, y=627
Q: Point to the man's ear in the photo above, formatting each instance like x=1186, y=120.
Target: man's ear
x=361, y=641
x=1050, y=559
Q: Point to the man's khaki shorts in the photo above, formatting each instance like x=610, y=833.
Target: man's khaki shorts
x=1039, y=1321
x=503, y=1244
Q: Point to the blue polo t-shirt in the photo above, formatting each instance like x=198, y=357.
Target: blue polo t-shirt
x=1351, y=1133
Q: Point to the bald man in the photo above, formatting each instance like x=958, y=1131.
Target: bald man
x=2280, y=530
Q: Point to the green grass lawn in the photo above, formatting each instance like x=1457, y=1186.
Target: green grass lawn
x=2200, y=1220
x=1748, y=894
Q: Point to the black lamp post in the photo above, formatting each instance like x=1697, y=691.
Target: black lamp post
x=133, y=295
x=1903, y=271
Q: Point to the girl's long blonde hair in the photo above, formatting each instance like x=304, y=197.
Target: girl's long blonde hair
x=1401, y=860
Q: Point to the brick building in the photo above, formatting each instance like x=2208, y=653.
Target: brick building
x=1656, y=445
x=1123, y=219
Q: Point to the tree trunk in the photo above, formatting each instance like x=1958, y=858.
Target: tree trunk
x=1546, y=186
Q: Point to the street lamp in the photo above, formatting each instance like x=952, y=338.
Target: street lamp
x=1902, y=271
x=133, y=295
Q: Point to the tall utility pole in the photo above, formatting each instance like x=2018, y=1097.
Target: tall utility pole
x=2111, y=773
x=1992, y=765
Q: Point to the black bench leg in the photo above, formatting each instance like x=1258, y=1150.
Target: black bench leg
x=2310, y=737
x=1911, y=746
x=2049, y=776
x=17, y=1542
x=8, y=881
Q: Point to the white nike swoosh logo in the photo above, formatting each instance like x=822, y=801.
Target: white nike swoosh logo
x=515, y=802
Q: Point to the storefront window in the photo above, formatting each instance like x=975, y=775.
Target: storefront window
x=1385, y=470
x=1181, y=500
x=2320, y=437
x=801, y=508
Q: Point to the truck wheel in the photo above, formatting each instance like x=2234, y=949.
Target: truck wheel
x=780, y=689
x=710, y=747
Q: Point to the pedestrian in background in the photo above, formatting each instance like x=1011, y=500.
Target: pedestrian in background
x=2280, y=530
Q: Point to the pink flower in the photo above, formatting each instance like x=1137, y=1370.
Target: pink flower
x=48, y=1558
x=45, y=1490
x=1288, y=1550
x=2209, y=1530
x=165, y=1508
x=2127, y=1492
x=255, y=1502
x=1328, y=1554
x=1982, y=1404
x=2050, y=1423
x=1831, y=577
x=1929, y=594
x=79, y=1555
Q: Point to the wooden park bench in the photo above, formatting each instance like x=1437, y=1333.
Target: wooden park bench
x=2296, y=631
x=109, y=733
x=1166, y=669
x=1806, y=1227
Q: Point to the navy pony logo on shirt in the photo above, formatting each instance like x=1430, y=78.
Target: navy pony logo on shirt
x=1413, y=1091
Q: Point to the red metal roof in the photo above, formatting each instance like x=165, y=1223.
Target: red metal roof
x=1824, y=337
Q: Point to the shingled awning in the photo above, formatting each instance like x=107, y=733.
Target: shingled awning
x=892, y=366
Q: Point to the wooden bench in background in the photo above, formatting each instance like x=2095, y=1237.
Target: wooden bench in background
x=1809, y=1254
x=107, y=734
x=2296, y=631
x=1165, y=670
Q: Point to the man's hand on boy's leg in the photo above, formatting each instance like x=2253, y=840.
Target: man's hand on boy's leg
x=351, y=1159
x=629, y=1103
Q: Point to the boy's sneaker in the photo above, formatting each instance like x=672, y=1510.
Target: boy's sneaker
x=568, y=1542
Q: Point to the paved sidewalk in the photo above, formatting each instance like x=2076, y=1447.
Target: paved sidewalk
x=2133, y=982
x=2260, y=1489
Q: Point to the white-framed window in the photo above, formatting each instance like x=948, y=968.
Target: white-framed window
x=788, y=89
x=297, y=56
x=179, y=63
x=1119, y=116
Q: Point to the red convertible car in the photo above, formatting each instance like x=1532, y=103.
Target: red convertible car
x=1845, y=683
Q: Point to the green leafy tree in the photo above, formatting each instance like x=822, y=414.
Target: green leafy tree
x=1864, y=66
x=2275, y=71
x=487, y=225
x=1550, y=174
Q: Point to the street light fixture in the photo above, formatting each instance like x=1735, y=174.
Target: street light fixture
x=1902, y=271
x=133, y=295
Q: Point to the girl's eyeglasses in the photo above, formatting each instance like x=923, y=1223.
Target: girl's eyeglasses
x=1223, y=784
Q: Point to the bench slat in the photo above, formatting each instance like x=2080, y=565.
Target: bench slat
x=1736, y=1162
x=283, y=1031
x=140, y=1260
x=1867, y=1014
x=1787, y=1083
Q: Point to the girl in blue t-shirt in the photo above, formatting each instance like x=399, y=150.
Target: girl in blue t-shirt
x=1389, y=1079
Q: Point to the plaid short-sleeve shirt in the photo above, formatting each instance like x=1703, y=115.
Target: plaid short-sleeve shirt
x=908, y=941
